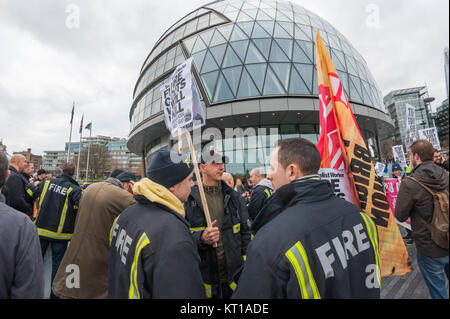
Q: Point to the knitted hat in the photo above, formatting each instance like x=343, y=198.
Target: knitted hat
x=169, y=168
x=126, y=177
x=396, y=167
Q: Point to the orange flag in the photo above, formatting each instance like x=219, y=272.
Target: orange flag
x=342, y=147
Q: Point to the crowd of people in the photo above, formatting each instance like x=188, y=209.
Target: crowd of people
x=284, y=235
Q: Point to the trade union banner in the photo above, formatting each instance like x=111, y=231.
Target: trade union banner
x=339, y=128
x=181, y=101
x=430, y=134
x=391, y=188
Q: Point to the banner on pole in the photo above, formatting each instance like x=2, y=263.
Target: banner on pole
x=391, y=188
x=181, y=101
x=366, y=188
x=410, y=127
x=431, y=135
x=399, y=155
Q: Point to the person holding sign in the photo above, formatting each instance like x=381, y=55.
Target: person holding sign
x=229, y=228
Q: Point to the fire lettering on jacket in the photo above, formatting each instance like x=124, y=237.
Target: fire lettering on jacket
x=123, y=242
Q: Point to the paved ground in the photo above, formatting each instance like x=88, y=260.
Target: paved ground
x=409, y=286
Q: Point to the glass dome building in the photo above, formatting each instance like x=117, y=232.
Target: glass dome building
x=254, y=66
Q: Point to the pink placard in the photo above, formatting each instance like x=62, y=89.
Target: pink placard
x=391, y=188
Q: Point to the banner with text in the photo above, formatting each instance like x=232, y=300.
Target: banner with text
x=410, y=127
x=399, y=155
x=181, y=100
x=431, y=135
x=366, y=188
x=391, y=188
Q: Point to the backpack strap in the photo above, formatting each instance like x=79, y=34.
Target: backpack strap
x=421, y=184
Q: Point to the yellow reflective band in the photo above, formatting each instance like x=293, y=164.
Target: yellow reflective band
x=30, y=192
x=267, y=192
x=64, y=211
x=299, y=261
x=44, y=191
x=112, y=229
x=236, y=228
x=233, y=286
x=197, y=229
x=244, y=257
x=252, y=236
x=208, y=290
x=134, y=289
x=50, y=234
x=372, y=230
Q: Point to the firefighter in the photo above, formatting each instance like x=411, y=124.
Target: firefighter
x=309, y=243
x=58, y=200
x=152, y=252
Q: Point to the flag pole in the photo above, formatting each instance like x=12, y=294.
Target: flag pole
x=79, y=148
x=70, y=136
x=89, y=149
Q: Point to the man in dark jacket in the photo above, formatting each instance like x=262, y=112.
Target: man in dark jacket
x=415, y=202
x=21, y=267
x=152, y=252
x=308, y=243
x=229, y=229
x=262, y=191
x=15, y=188
x=58, y=204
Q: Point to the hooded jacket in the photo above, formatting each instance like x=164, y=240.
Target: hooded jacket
x=152, y=252
x=260, y=194
x=414, y=202
x=235, y=234
x=89, y=248
x=310, y=244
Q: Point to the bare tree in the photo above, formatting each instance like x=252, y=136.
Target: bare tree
x=99, y=161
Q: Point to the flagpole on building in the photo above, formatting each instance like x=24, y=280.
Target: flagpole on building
x=79, y=149
x=89, y=149
x=70, y=137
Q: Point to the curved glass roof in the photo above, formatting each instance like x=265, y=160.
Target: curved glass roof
x=254, y=48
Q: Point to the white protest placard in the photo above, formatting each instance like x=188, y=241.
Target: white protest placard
x=339, y=181
x=379, y=168
x=430, y=134
x=181, y=102
x=399, y=155
x=410, y=126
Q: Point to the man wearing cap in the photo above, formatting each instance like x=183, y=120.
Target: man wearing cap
x=229, y=228
x=89, y=249
x=152, y=253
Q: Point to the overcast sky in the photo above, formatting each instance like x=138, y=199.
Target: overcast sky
x=46, y=62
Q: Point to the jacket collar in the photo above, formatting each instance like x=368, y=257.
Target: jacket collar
x=69, y=178
x=115, y=182
x=13, y=169
x=306, y=189
x=2, y=198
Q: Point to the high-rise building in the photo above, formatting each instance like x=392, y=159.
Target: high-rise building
x=395, y=103
x=255, y=68
x=446, y=62
x=441, y=120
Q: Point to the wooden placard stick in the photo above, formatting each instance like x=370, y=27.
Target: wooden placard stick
x=200, y=183
x=180, y=141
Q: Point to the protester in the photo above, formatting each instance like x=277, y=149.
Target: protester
x=100, y=204
x=308, y=243
x=437, y=158
x=445, y=160
x=41, y=175
x=152, y=251
x=59, y=199
x=415, y=202
x=397, y=171
x=15, y=188
x=261, y=192
x=27, y=176
x=229, y=228
x=21, y=266
x=228, y=179
x=239, y=187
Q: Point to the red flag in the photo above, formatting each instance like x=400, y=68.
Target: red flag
x=81, y=125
